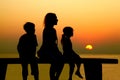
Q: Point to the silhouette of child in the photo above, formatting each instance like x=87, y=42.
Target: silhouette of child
x=69, y=53
x=49, y=50
x=27, y=50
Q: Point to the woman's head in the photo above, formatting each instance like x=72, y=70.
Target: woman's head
x=68, y=31
x=50, y=19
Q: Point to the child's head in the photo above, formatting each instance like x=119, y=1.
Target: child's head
x=29, y=27
x=68, y=31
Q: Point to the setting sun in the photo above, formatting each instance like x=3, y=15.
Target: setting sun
x=89, y=47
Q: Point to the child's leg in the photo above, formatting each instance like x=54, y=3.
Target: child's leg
x=24, y=71
x=34, y=69
x=36, y=77
x=78, y=71
x=78, y=63
x=78, y=67
x=59, y=70
x=71, y=70
x=24, y=77
x=52, y=71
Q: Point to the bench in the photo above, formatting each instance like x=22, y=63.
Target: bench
x=92, y=66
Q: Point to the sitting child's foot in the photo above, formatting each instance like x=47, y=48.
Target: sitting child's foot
x=78, y=74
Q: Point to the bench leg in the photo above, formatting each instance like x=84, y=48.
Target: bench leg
x=3, y=69
x=93, y=71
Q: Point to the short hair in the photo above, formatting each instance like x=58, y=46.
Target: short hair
x=28, y=26
x=67, y=30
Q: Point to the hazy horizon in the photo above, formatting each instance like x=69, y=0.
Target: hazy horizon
x=109, y=71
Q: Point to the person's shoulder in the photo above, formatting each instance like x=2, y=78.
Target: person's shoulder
x=53, y=29
x=23, y=36
x=35, y=35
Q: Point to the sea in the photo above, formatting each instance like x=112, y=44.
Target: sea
x=109, y=71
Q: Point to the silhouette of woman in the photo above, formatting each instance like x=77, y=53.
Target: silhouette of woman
x=69, y=53
x=49, y=50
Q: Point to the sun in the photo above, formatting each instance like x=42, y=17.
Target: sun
x=89, y=47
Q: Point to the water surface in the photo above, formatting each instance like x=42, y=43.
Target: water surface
x=110, y=71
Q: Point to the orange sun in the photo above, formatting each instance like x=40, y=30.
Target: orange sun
x=89, y=47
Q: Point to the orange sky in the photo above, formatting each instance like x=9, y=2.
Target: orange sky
x=94, y=21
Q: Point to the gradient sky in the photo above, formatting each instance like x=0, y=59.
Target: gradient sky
x=95, y=22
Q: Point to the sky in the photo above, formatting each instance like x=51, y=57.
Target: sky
x=95, y=22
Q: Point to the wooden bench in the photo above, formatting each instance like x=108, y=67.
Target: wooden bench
x=92, y=66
